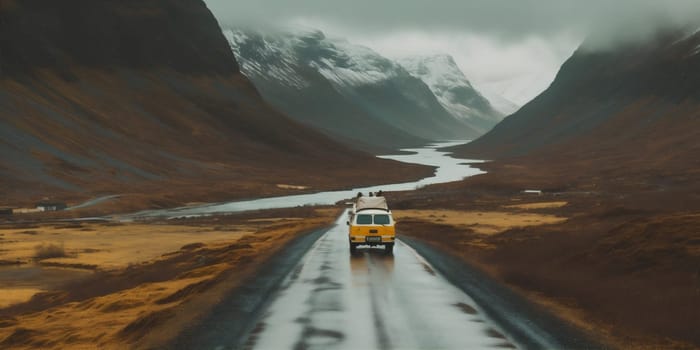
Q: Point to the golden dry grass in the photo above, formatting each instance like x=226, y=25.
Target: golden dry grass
x=16, y=295
x=106, y=246
x=215, y=259
x=483, y=222
x=584, y=268
x=540, y=205
x=96, y=322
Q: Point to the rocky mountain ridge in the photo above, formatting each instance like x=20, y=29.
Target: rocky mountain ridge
x=617, y=100
x=346, y=90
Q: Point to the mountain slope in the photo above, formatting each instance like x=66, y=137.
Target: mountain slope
x=145, y=97
x=500, y=103
x=615, y=138
x=49, y=34
x=453, y=90
x=631, y=100
x=348, y=91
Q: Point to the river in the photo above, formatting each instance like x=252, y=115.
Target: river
x=448, y=169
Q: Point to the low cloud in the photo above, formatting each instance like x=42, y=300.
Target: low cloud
x=504, y=19
x=505, y=47
x=517, y=70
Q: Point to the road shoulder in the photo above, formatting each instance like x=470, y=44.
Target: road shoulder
x=528, y=324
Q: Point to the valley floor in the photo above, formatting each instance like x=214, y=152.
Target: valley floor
x=621, y=263
x=618, y=262
x=112, y=285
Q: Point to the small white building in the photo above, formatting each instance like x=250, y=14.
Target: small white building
x=51, y=206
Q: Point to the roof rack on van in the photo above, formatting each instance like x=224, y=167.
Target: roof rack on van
x=366, y=203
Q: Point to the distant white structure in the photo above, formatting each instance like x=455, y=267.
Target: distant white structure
x=50, y=206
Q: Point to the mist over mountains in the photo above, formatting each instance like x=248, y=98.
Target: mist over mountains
x=351, y=92
x=609, y=100
x=453, y=90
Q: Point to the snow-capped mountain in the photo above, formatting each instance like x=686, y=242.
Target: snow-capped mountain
x=453, y=90
x=345, y=90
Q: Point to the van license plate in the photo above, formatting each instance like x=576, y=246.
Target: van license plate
x=373, y=239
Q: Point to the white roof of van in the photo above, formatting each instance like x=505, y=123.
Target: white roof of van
x=374, y=212
x=371, y=203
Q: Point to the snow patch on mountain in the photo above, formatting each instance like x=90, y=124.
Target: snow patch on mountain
x=355, y=65
x=453, y=90
x=280, y=55
x=436, y=70
x=695, y=36
x=371, y=85
x=267, y=63
x=695, y=51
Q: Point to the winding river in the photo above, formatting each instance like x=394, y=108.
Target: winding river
x=448, y=169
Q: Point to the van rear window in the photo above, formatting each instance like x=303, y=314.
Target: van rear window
x=364, y=219
x=381, y=219
x=369, y=219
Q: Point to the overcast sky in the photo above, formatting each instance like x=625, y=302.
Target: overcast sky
x=510, y=47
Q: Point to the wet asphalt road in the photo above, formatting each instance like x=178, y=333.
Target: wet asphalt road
x=371, y=300
x=315, y=295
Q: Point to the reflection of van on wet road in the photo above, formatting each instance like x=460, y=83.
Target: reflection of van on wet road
x=371, y=224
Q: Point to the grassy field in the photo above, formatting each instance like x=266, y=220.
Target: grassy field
x=121, y=284
x=620, y=261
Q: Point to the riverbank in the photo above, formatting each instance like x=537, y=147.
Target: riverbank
x=123, y=283
x=223, y=186
x=623, y=262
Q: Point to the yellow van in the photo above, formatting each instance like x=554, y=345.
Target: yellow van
x=371, y=224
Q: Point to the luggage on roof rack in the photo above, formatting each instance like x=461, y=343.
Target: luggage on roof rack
x=364, y=203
